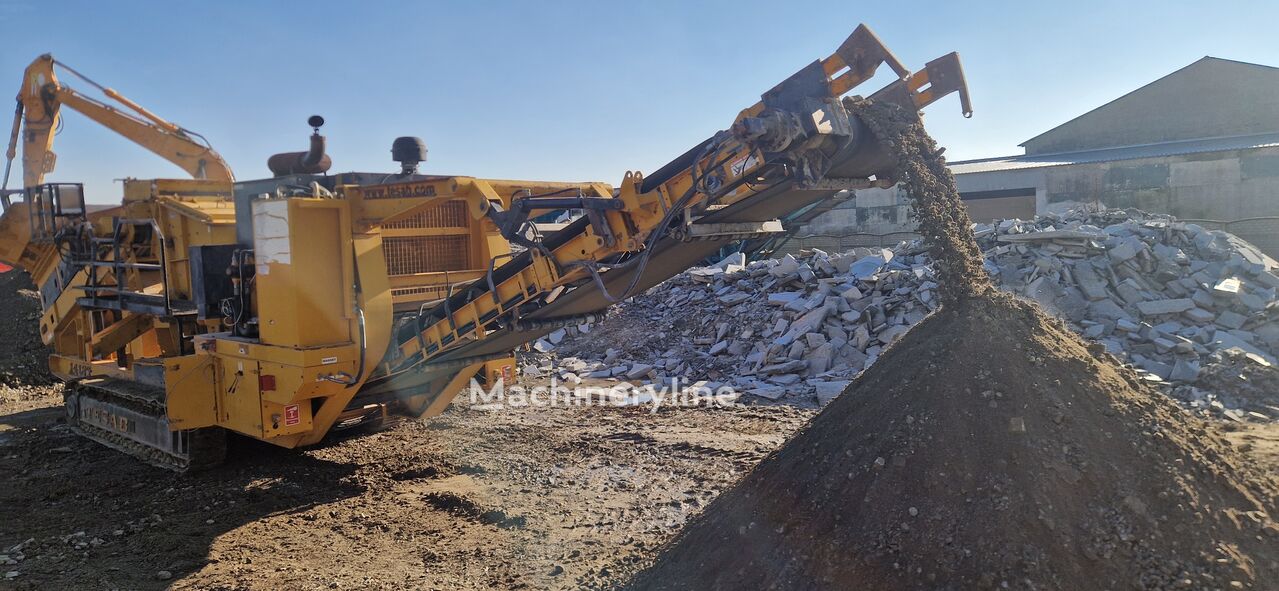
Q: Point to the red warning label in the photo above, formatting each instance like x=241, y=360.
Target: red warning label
x=292, y=415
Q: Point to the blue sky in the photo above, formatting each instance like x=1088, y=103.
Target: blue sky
x=575, y=90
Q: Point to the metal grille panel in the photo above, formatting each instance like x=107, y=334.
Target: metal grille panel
x=428, y=293
x=450, y=214
x=426, y=254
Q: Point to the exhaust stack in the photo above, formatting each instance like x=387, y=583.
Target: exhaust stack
x=313, y=161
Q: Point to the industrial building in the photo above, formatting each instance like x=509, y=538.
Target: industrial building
x=1201, y=143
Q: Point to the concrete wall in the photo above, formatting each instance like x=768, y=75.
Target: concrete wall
x=984, y=211
x=1209, y=98
x=873, y=211
x=1218, y=186
x=886, y=211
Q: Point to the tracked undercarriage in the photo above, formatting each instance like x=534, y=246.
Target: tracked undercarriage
x=131, y=418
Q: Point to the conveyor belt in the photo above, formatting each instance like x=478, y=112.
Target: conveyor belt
x=864, y=158
x=670, y=257
x=857, y=155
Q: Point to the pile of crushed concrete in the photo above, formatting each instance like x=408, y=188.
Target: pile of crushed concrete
x=990, y=448
x=1173, y=299
x=770, y=329
x=1192, y=310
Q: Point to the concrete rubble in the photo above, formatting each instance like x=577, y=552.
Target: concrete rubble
x=1173, y=299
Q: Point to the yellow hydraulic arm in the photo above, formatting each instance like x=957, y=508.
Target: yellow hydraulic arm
x=36, y=119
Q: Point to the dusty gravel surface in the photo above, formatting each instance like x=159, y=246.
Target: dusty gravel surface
x=591, y=491
x=529, y=498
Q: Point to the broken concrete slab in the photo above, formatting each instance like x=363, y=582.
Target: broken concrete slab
x=1230, y=319
x=827, y=391
x=639, y=370
x=792, y=366
x=1160, y=307
x=1199, y=315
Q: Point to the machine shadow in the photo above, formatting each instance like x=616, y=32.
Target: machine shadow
x=88, y=516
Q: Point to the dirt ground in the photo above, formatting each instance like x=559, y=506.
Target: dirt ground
x=531, y=498
x=1259, y=441
x=468, y=500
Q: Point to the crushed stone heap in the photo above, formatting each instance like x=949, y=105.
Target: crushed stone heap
x=1184, y=305
x=989, y=447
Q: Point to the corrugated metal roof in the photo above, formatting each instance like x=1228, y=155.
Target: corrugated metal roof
x=1207, y=59
x=1241, y=142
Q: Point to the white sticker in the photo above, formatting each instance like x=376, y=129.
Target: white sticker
x=742, y=165
x=328, y=360
x=271, y=231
